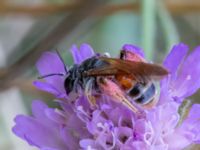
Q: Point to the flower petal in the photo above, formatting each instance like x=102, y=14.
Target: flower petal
x=38, y=108
x=190, y=128
x=184, y=77
x=138, y=145
x=85, y=52
x=174, y=59
x=159, y=117
x=70, y=138
x=134, y=49
x=188, y=81
x=89, y=144
x=47, y=148
x=51, y=63
x=37, y=133
x=45, y=86
x=172, y=63
x=122, y=134
x=177, y=141
x=55, y=116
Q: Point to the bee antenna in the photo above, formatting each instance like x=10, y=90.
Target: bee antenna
x=58, y=53
x=49, y=75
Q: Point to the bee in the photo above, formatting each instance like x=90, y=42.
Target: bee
x=127, y=79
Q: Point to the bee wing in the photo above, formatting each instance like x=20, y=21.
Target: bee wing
x=140, y=70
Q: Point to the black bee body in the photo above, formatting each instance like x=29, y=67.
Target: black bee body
x=140, y=92
x=126, y=76
x=76, y=78
x=143, y=93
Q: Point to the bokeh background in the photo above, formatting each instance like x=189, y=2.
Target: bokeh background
x=29, y=27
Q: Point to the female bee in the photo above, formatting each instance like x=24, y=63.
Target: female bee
x=123, y=78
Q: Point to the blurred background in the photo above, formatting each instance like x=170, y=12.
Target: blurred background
x=29, y=27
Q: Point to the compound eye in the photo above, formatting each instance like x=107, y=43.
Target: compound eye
x=68, y=84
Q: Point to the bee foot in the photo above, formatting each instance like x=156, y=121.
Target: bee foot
x=128, y=104
x=92, y=101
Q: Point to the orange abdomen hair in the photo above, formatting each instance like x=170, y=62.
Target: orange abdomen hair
x=125, y=81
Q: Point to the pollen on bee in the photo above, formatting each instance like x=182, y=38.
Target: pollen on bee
x=126, y=82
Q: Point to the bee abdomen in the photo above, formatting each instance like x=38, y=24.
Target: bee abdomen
x=136, y=90
x=147, y=95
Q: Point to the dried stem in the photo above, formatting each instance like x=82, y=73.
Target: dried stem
x=64, y=28
x=47, y=9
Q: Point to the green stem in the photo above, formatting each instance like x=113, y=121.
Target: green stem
x=168, y=26
x=148, y=29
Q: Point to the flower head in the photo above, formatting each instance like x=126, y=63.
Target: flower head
x=110, y=125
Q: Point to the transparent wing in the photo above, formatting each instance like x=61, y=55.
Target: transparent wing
x=141, y=71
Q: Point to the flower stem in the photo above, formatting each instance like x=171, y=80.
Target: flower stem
x=148, y=29
x=167, y=24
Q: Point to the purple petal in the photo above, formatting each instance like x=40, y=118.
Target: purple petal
x=106, y=140
x=177, y=141
x=134, y=49
x=119, y=115
x=87, y=143
x=76, y=54
x=140, y=128
x=174, y=58
x=188, y=81
x=159, y=147
x=38, y=108
x=184, y=78
x=44, y=86
x=76, y=125
x=162, y=122
x=190, y=128
x=83, y=102
x=84, y=53
x=138, y=145
x=122, y=134
x=50, y=63
x=159, y=117
x=165, y=96
x=47, y=148
x=92, y=126
x=70, y=138
x=184, y=135
x=173, y=61
x=56, y=116
x=37, y=133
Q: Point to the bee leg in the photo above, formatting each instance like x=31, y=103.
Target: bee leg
x=91, y=100
x=113, y=90
x=126, y=103
x=88, y=93
x=76, y=85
